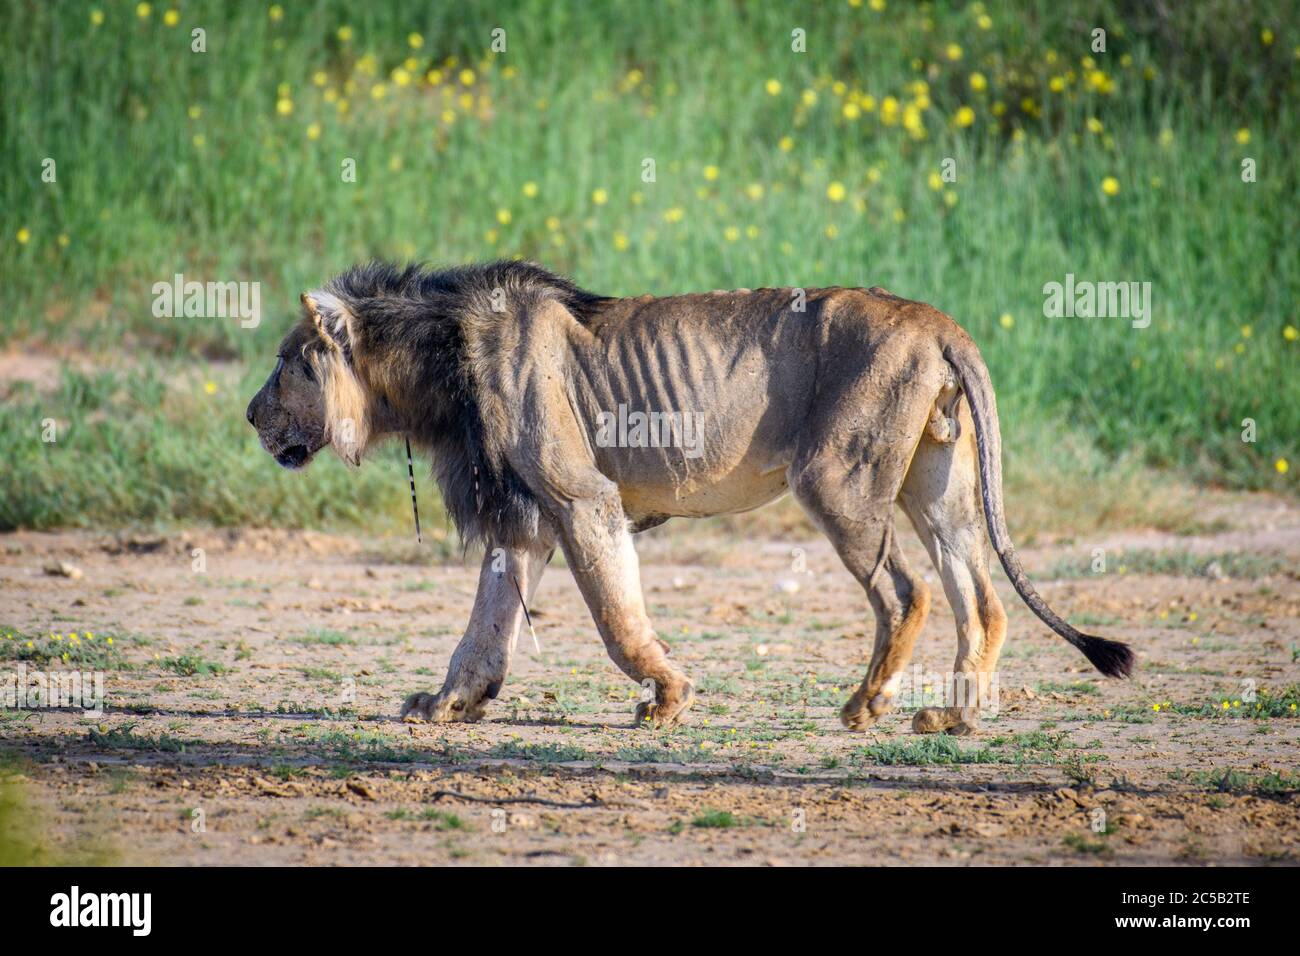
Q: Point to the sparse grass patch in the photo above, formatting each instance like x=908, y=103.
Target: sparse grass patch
x=1186, y=564
x=191, y=665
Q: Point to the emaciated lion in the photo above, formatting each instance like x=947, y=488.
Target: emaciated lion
x=510, y=377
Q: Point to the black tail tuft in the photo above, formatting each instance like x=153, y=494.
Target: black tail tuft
x=1110, y=657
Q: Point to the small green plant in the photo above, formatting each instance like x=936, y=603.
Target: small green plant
x=716, y=820
x=191, y=665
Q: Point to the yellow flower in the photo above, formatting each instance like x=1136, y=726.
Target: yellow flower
x=401, y=77
x=142, y=10
x=1266, y=36
x=731, y=233
x=953, y=51
x=1247, y=331
x=284, y=106
x=935, y=181
x=1282, y=466
x=64, y=240
x=1094, y=125
x=503, y=216
x=1006, y=320
x=97, y=17
x=1290, y=333
x=1243, y=136
x=599, y=197
x=809, y=97
x=23, y=235
x=985, y=22
x=171, y=18
x=1110, y=186
x=899, y=215
x=276, y=13
x=199, y=140
x=754, y=190
x=978, y=83
x=553, y=223
x=378, y=91
x=345, y=33
x=415, y=40
x=710, y=173
x=786, y=144
x=313, y=131
x=851, y=111
x=210, y=387
x=466, y=77
x=530, y=190
x=675, y=214
x=835, y=192
x=1166, y=136
x=195, y=112
x=964, y=117
x=773, y=87
x=620, y=241
x=832, y=231
x=877, y=5
x=950, y=198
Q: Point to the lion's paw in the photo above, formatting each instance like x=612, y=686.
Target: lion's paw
x=950, y=720
x=440, y=709
x=666, y=712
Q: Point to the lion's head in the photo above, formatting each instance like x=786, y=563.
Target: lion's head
x=313, y=397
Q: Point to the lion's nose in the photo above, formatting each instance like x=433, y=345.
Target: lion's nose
x=249, y=413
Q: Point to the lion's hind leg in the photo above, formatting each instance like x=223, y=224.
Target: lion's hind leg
x=941, y=497
x=854, y=505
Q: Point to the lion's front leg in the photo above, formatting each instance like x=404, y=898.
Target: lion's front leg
x=604, y=563
x=482, y=658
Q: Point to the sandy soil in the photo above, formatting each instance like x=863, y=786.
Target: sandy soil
x=250, y=713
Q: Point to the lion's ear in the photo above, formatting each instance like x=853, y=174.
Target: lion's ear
x=331, y=318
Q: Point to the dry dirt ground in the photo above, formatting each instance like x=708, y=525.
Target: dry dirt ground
x=250, y=708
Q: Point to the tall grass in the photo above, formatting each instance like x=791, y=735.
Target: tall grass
x=226, y=165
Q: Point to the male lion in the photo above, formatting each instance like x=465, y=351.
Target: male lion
x=510, y=376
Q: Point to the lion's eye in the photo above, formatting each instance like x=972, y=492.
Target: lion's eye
x=306, y=370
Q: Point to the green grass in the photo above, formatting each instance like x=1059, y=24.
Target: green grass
x=125, y=738
x=82, y=650
x=172, y=161
x=1231, y=564
x=1238, y=781
x=190, y=665
x=716, y=820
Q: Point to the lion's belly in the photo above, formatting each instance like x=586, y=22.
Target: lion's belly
x=740, y=490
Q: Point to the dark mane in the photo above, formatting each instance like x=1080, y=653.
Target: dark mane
x=411, y=326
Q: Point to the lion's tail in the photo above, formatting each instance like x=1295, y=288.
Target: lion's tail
x=1110, y=657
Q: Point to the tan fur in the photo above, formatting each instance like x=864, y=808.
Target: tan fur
x=348, y=412
x=855, y=404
